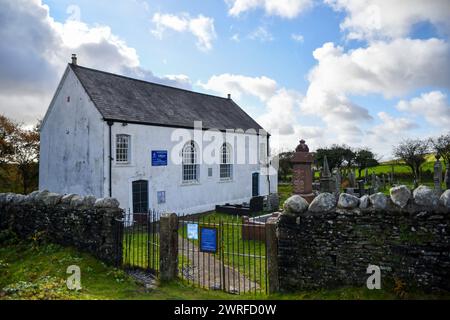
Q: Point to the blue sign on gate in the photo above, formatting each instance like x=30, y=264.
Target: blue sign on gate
x=159, y=157
x=208, y=239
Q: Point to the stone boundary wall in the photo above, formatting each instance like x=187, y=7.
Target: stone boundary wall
x=86, y=223
x=331, y=242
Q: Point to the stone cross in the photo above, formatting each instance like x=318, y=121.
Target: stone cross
x=302, y=173
x=438, y=174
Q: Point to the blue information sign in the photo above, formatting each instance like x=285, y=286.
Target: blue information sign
x=208, y=239
x=159, y=157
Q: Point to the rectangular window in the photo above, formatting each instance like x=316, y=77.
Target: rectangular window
x=225, y=171
x=210, y=172
x=123, y=148
x=190, y=172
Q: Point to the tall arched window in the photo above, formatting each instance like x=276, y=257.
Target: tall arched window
x=226, y=166
x=190, y=162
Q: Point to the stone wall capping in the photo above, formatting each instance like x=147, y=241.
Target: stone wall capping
x=425, y=196
x=83, y=222
x=322, y=203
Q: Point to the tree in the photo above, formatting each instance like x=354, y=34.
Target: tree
x=337, y=156
x=20, y=147
x=413, y=153
x=285, y=164
x=441, y=146
x=364, y=158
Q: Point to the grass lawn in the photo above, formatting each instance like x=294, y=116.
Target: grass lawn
x=29, y=270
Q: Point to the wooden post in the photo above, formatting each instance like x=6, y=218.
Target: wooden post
x=272, y=255
x=168, y=249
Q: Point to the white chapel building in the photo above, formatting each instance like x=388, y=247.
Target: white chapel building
x=108, y=135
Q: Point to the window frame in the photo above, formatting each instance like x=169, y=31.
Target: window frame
x=190, y=169
x=226, y=162
x=122, y=149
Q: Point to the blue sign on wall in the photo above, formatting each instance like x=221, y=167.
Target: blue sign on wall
x=208, y=239
x=159, y=158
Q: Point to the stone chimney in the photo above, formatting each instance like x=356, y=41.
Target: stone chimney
x=74, y=59
x=229, y=96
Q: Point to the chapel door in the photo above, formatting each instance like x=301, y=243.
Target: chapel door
x=255, y=184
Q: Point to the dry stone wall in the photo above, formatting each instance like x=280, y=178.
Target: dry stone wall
x=408, y=239
x=86, y=223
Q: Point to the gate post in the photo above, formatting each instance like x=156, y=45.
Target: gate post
x=168, y=246
x=272, y=255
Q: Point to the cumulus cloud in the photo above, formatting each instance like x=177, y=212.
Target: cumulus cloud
x=433, y=106
x=281, y=110
x=282, y=8
x=238, y=85
x=390, y=69
x=35, y=49
x=261, y=34
x=201, y=27
x=380, y=19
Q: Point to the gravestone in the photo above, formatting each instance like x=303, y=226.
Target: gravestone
x=383, y=185
x=366, y=176
x=352, y=179
x=438, y=175
x=447, y=176
x=302, y=174
x=326, y=181
x=337, y=180
x=361, y=188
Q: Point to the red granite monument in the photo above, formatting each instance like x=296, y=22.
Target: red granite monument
x=302, y=176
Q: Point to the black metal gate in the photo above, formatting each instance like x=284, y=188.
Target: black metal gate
x=140, y=241
x=236, y=263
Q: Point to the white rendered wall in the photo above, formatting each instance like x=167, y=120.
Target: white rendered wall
x=71, y=149
x=180, y=198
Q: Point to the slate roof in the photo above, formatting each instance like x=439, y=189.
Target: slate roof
x=130, y=100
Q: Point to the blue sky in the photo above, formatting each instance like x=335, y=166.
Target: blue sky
x=365, y=73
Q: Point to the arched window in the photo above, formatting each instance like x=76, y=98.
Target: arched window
x=226, y=166
x=123, y=148
x=190, y=162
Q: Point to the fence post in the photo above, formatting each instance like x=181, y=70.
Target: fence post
x=168, y=249
x=272, y=255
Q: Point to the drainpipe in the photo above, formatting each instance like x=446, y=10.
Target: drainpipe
x=110, y=124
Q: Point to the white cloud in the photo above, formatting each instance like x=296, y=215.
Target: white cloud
x=281, y=110
x=35, y=49
x=390, y=69
x=238, y=85
x=297, y=37
x=283, y=8
x=201, y=27
x=381, y=19
x=235, y=37
x=432, y=105
x=261, y=34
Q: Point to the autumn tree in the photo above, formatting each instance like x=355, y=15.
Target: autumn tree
x=20, y=147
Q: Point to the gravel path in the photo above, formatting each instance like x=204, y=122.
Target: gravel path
x=206, y=270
